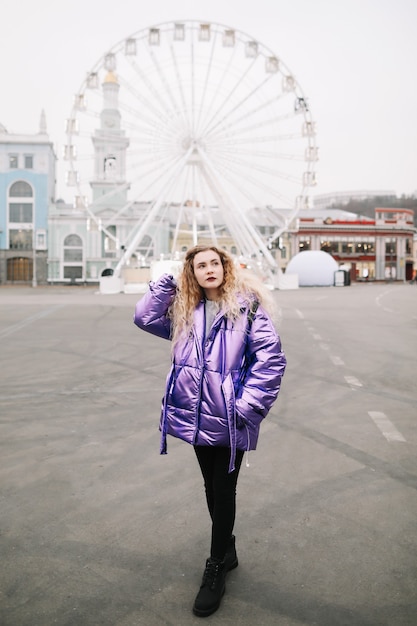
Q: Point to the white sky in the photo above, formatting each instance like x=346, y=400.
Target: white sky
x=356, y=61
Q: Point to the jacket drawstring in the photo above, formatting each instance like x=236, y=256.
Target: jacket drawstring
x=232, y=430
x=164, y=422
x=247, y=447
x=230, y=408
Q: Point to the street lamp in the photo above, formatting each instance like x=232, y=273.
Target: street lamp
x=34, y=281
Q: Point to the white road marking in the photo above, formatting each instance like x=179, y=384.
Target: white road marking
x=386, y=427
x=300, y=314
x=316, y=336
x=336, y=360
x=324, y=346
x=352, y=381
x=15, y=327
x=378, y=301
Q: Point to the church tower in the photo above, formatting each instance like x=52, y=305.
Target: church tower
x=110, y=145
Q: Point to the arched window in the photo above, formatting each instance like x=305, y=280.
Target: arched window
x=73, y=257
x=21, y=189
x=110, y=167
x=109, y=241
x=73, y=249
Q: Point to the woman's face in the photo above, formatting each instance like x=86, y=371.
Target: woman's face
x=208, y=270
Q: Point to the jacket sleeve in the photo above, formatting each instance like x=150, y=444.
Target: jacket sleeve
x=151, y=310
x=264, y=370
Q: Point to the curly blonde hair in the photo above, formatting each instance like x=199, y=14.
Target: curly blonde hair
x=235, y=282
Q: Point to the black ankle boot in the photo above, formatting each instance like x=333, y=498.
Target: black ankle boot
x=212, y=588
x=230, y=560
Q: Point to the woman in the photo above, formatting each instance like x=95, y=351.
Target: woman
x=226, y=372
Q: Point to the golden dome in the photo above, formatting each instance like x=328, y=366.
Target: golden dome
x=111, y=78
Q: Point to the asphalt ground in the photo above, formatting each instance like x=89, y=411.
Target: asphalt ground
x=98, y=529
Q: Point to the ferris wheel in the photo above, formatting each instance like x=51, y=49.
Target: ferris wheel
x=190, y=129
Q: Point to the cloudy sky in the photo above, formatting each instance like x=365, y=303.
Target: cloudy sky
x=356, y=61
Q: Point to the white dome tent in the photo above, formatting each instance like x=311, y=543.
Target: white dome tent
x=315, y=268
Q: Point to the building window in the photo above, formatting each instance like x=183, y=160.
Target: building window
x=146, y=248
x=73, y=257
x=109, y=241
x=73, y=249
x=28, y=161
x=347, y=247
x=366, y=247
x=20, y=239
x=391, y=246
x=21, y=190
x=40, y=239
x=110, y=168
x=13, y=161
x=20, y=212
x=409, y=247
x=73, y=272
x=332, y=247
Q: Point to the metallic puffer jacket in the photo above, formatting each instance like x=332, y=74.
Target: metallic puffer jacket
x=220, y=387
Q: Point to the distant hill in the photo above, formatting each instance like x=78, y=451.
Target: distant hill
x=367, y=206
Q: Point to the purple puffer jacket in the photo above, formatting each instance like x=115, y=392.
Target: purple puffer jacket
x=220, y=387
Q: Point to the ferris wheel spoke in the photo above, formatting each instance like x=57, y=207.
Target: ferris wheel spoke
x=138, y=116
x=233, y=177
x=156, y=172
x=218, y=122
x=234, y=225
x=270, y=172
x=164, y=109
x=234, y=123
x=230, y=149
x=169, y=183
x=239, y=224
x=156, y=114
x=207, y=211
x=268, y=123
x=267, y=138
x=217, y=90
x=252, y=113
x=192, y=93
x=167, y=87
x=236, y=174
x=178, y=221
x=208, y=74
x=180, y=88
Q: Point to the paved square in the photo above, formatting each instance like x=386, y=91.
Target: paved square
x=98, y=529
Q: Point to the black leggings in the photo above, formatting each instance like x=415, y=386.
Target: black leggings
x=220, y=489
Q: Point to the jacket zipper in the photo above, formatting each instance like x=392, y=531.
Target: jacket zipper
x=200, y=352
